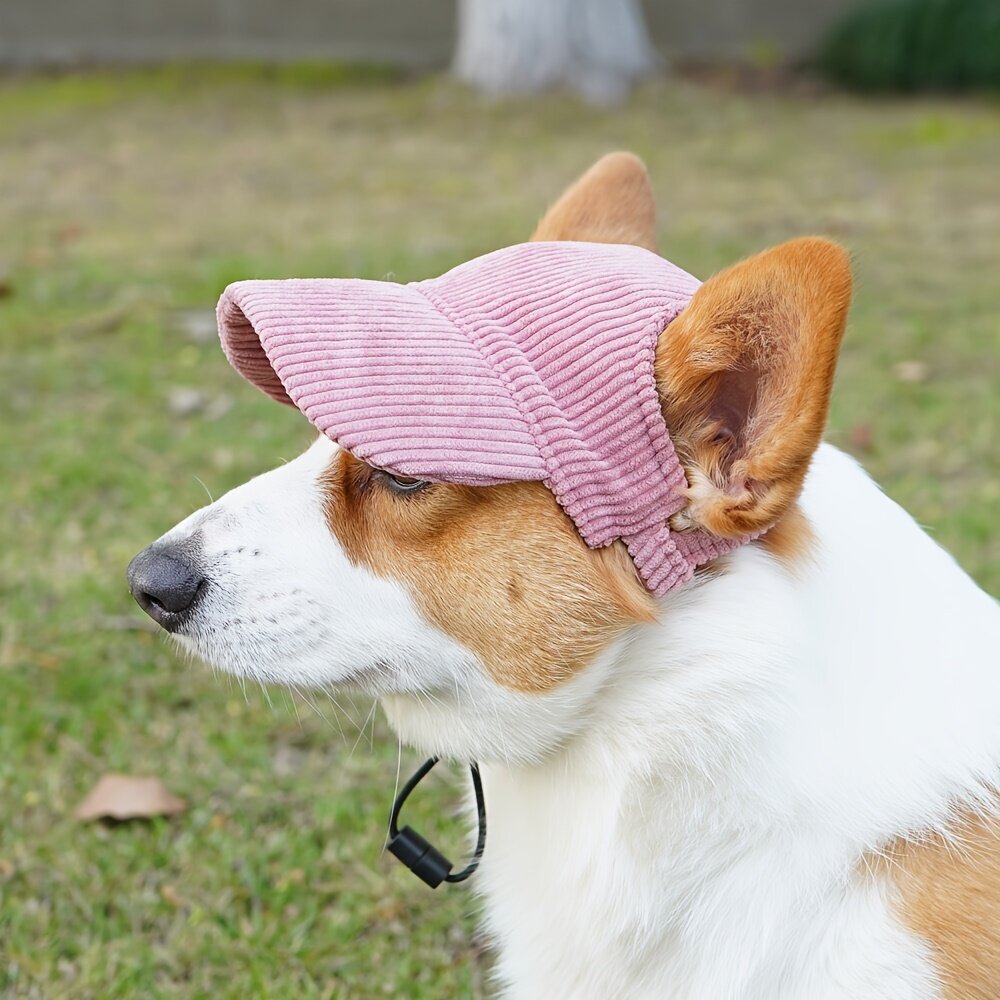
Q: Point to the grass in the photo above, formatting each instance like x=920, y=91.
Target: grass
x=128, y=202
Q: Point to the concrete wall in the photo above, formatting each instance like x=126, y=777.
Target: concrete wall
x=405, y=32
x=413, y=33
x=739, y=29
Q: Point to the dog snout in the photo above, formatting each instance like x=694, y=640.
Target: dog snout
x=165, y=584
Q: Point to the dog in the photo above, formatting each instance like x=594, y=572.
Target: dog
x=777, y=780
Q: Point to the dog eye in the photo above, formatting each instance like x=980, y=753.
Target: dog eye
x=404, y=484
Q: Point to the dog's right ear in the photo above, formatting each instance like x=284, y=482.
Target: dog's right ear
x=611, y=203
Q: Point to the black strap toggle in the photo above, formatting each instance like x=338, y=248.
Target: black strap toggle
x=417, y=853
x=421, y=857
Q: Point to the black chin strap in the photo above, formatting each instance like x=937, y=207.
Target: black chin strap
x=418, y=854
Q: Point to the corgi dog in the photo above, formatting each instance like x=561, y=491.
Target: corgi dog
x=778, y=781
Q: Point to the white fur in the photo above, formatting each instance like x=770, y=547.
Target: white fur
x=687, y=817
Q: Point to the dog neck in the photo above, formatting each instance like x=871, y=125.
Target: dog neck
x=734, y=759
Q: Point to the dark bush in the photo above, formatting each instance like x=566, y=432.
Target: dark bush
x=910, y=45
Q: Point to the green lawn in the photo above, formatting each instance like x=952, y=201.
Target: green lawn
x=126, y=204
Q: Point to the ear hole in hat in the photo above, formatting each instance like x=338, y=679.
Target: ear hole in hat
x=745, y=374
x=611, y=203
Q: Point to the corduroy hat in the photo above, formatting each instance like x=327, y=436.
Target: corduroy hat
x=534, y=362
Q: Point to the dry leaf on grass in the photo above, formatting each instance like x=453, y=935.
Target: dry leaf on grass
x=183, y=401
x=199, y=325
x=911, y=371
x=122, y=796
x=169, y=896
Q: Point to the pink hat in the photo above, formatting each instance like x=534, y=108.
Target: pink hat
x=534, y=362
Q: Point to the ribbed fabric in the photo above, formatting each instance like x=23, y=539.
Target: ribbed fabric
x=534, y=362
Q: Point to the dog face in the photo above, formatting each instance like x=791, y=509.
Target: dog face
x=478, y=615
x=463, y=610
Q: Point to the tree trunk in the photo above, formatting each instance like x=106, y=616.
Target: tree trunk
x=597, y=47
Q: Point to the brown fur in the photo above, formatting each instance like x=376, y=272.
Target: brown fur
x=949, y=894
x=745, y=373
x=611, y=203
x=790, y=540
x=501, y=569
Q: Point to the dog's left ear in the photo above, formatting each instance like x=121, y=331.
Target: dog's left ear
x=611, y=203
x=745, y=374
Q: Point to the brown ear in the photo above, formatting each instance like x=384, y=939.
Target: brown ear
x=745, y=374
x=611, y=203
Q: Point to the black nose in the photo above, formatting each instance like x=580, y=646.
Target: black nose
x=164, y=584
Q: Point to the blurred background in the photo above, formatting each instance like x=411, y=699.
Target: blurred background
x=150, y=153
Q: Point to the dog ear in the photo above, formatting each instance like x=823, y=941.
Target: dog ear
x=611, y=203
x=745, y=374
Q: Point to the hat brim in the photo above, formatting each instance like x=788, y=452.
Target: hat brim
x=377, y=368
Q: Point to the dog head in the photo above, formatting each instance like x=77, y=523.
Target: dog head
x=478, y=615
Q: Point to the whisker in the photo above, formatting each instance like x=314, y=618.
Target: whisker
x=304, y=695
x=208, y=492
x=361, y=731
